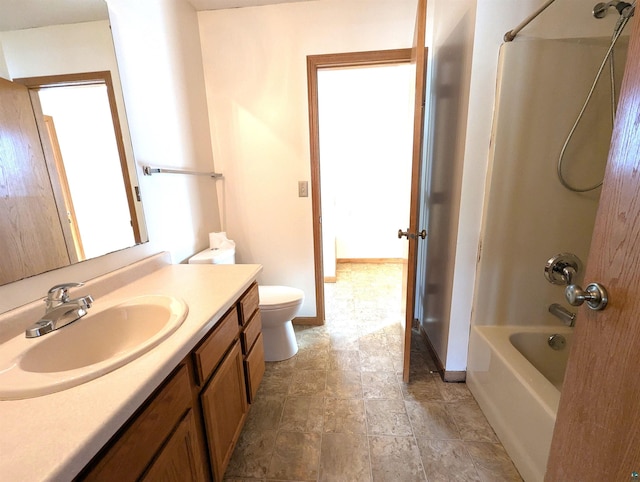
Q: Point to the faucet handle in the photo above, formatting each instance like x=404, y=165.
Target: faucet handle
x=60, y=292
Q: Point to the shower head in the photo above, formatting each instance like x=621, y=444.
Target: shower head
x=625, y=9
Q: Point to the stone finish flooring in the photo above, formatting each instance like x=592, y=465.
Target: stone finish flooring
x=339, y=410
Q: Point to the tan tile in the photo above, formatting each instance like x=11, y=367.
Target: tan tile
x=344, y=458
x=265, y=413
x=343, y=384
x=431, y=420
x=492, y=462
x=373, y=342
x=471, y=421
x=252, y=455
x=423, y=386
x=313, y=341
x=242, y=479
x=303, y=414
x=376, y=361
x=387, y=417
x=346, y=416
x=296, y=456
x=395, y=459
x=454, y=392
x=308, y=383
x=312, y=360
x=383, y=385
x=446, y=461
x=275, y=383
x=344, y=360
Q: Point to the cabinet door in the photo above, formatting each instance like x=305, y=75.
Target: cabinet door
x=181, y=459
x=224, y=408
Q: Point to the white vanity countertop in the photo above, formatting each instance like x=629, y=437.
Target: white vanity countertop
x=53, y=437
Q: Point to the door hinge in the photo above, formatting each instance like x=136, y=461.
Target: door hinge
x=137, y=190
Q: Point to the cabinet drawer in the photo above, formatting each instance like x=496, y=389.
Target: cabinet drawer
x=251, y=332
x=249, y=303
x=254, y=368
x=128, y=455
x=210, y=352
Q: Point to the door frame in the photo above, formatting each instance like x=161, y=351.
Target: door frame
x=315, y=62
x=88, y=78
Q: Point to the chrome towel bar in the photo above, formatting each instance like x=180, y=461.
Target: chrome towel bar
x=148, y=170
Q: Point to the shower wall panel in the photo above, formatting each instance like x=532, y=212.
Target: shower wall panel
x=528, y=215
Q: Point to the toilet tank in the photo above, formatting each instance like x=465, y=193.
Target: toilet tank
x=214, y=256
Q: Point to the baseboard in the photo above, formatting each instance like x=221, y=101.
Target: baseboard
x=330, y=279
x=372, y=260
x=454, y=377
x=307, y=320
x=446, y=375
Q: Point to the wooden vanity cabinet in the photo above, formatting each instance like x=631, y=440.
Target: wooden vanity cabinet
x=221, y=384
x=251, y=338
x=224, y=409
x=199, y=410
x=160, y=442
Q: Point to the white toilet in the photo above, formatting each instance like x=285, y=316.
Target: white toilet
x=278, y=306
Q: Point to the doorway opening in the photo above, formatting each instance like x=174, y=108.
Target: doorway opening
x=82, y=141
x=361, y=107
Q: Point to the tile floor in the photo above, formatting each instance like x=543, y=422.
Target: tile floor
x=339, y=411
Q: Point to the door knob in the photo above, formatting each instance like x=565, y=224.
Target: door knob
x=422, y=234
x=595, y=295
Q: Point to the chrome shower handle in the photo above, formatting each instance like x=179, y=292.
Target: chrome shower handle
x=595, y=295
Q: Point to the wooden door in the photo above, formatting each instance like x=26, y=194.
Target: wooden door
x=224, y=408
x=31, y=236
x=418, y=58
x=597, y=433
x=181, y=459
x=74, y=245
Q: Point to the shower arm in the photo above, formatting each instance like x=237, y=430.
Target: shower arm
x=511, y=34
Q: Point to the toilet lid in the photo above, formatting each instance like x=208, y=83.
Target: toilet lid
x=272, y=297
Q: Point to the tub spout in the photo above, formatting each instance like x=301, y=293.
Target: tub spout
x=568, y=318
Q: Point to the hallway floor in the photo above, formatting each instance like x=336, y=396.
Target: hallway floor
x=339, y=411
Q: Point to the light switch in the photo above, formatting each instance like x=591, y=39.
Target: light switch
x=303, y=188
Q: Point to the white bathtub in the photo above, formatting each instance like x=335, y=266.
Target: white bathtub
x=518, y=389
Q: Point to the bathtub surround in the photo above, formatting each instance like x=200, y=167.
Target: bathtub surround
x=517, y=398
x=542, y=85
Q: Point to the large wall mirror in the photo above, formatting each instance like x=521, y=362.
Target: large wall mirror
x=68, y=181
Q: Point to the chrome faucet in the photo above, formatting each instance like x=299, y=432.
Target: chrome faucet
x=60, y=310
x=568, y=318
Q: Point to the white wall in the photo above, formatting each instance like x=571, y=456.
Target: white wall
x=255, y=70
x=157, y=46
x=365, y=120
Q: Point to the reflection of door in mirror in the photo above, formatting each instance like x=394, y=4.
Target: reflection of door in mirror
x=67, y=200
x=100, y=204
x=31, y=236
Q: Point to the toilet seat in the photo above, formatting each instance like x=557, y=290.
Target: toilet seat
x=279, y=297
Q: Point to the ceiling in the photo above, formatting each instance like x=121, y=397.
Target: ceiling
x=220, y=4
x=21, y=14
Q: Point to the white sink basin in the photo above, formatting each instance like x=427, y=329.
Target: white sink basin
x=94, y=345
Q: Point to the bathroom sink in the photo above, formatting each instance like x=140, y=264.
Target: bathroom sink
x=94, y=345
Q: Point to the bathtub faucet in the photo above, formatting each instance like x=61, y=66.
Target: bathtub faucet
x=561, y=312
